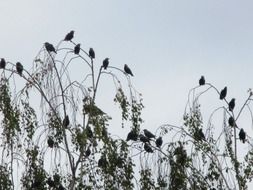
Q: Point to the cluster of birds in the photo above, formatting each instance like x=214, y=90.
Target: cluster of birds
x=231, y=106
x=145, y=139
x=50, y=48
x=19, y=66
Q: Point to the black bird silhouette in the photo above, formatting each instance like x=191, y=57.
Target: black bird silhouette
x=92, y=53
x=19, y=68
x=50, y=182
x=87, y=152
x=242, y=135
x=199, y=135
x=132, y=135
x=231, y=105
x=159, y=142
x=202, y=81
x=223, y=93
x=77, y=49
x=106, y=63
x=50, y=142
x=231, y=121
x=128, y=70
x=61, y=187
x=49, y=47
x=148, y=134
x=143, y=138
x=69, y=36
x=65, y=121
x=102, y=162
x=89, y=132
x=2, y=63
x=147, y=148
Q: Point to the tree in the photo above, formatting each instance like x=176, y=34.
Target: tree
x=63, y=140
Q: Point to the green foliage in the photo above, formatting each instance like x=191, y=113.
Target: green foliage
x=5, y=181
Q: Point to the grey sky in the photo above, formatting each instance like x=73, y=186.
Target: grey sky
x=168, y=44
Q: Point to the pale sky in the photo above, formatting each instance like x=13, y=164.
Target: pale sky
x=167, y=44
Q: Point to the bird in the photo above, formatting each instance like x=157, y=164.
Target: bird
x=69, y=36
x=77, y=49
x=49, y=47
x=242, y=135
x=87, y=152
x=19, y=68
x=92, y=53
x=102, y=162
x=231, y=121
x=223, y=93
x=2, y=63
x=199, y=135
x=128, y=70
x=106, y=63
x=159, y=142
x=89, y=132
x=132, y=135
x=148, y=134
x=231, y=104
x=50, y=182
x=50, y=142
x=202, y=81
x=143, y=138
x=147, y=148
x=65, y=121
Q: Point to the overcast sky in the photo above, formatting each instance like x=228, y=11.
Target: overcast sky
x=168, y=44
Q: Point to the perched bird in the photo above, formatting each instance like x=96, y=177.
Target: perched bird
x=159, y=142
x=92, y=53
x=65, y=121
x=231, y=104
x=106, y=63
x=231, y=121
x=61, y=187
x=102, y=162
x=128, y=70
x=199, y=135
x=87, y=152
x=132, y=135
x=77, y=49
x=49, y=47
x=148, y=134
x=143, y=138
x=223, y=93
x=19, y=68
x=50, y=142
x=242, y=135
x=69, y=36
x=148, y=148
x=202, y=81
x=89, y=132
x=2, y=63
x=50, y=182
